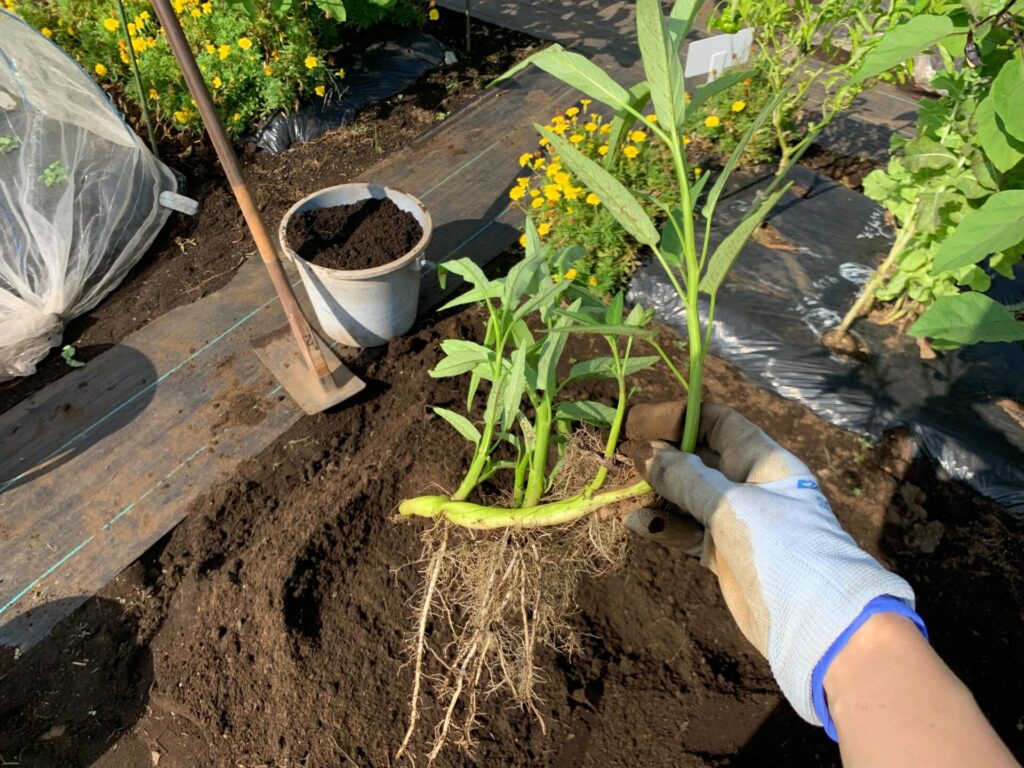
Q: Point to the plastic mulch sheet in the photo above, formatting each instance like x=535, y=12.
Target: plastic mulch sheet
x=798, y=279
x=383, y=70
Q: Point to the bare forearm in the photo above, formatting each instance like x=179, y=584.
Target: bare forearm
x=895, y=703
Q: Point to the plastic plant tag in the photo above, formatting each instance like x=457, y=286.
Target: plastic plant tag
x=714, y=55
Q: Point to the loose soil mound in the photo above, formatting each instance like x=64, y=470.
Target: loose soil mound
x=269, y=628
x=367, y=234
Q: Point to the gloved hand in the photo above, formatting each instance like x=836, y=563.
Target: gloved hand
x=796, y=583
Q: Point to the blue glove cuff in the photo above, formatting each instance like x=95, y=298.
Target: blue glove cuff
x=881, y=604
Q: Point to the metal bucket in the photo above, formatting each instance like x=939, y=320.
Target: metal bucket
x=362, y=307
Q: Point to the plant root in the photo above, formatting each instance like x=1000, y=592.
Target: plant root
x=492, y=600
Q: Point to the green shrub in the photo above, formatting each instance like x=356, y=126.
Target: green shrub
x=258, y=57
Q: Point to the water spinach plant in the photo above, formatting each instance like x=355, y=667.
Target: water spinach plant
x=541, y=502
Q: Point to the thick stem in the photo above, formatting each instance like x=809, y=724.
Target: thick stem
x=537, y=480
x=481, y=518
x=867, y=296
x=137, y=76
x=613, y=434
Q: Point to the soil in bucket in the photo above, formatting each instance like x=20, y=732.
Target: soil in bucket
x=363, y=235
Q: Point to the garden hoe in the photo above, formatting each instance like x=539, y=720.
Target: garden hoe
x=304, y=365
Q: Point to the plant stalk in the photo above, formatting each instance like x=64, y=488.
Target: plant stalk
x=536, y=482
x=143, y=100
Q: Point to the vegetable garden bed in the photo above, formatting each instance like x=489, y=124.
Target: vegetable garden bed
x=269, y=628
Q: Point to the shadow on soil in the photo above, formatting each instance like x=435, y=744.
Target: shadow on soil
x=55, y=699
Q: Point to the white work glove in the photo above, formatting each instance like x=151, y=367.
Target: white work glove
x=796, y=583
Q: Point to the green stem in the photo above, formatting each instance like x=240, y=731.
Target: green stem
x=481, y=518
x=143, y=101
x=668, y=362
x=617, y=421
x=537, y=480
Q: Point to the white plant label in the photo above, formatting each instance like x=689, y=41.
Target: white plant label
x=714, y=55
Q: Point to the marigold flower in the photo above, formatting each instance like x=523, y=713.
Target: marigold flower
x=138, y=45
x=593, y=199
x=217, y=82
x=590, y=127
x=539, y=164
x=557, y=120
x=196, y=13
x=602, y=150
x=434, y=14
x=268, y=70
x=560, y=129
x=341, y=74
x=522, y=240
x=586, y=102
x=534, y=193
x=739, y=105
x=154, y=94
x=571, y=274
x=244, y=43
x=686, y=140
x=553, y=193
x=181, y=115
x=697, y=172
x=576, y=138
x=712, y=121
x=630, y=151
x=110, y=25
x=537, y=202
x=543, y=228
x=211, y=48
x=652, y=118
x=571, y=192
x=207, y=8
x=236, y=117
x=572, y=111
x=46, y=32
x=592, y=281
x=543, y=141
x=638, y=136
x=516, y=192
x=311, y=62
x=554, y=168
x=687, y=97
x=562, y=179
x=522, y=181
x=100, y=70
x=320, y=90
x=606, y=128
x=224, y=51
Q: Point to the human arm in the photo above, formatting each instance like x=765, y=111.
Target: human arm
x=826, y=615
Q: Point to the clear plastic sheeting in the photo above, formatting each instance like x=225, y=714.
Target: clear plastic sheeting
x=797, y=279
x=381, y=71
x=79, y=195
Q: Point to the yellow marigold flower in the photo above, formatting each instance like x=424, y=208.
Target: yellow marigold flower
x=154, y=94
x=602, y=150
x=557, y=120
x=320, y=90
x=543, y=228
x=562, y=179
x=522, y=181
x=124, y=56
x=697, y=172
x=560, y=129
x=739, y=105
x=138, y=45
x=571, y=274
x=207, y=8
x=553, y=193
x=268, y=70
x=537, y=202
x=586, y=102
x=181, y=115
x=572, y=111
x=576, y=138
x=151, y=42
x=571, y=192
x=541, y=162
x=341, y=74
x=712, y=121
x=592, y=281
x=433, y=14
x=687, y=97
x=630, y=151
x=196, y=13
x=311, y=62
x=236, y=117
x=534, y=193
x=110, y=25
x=217, y=82
x=638, y=136
x=652, y=118
x=606, y=128
x=522, y=240
x=132, y=29
x=46, y=32
x=144, y=15
x=747, y=81
x=516, y=193
x=100, y=70
x=543, y=141
x=211, y=48
x=525, y=158
x=686, y=140
x=224, y=51
x=590, y=127
x=244, y=43
x=554, y=168
x=593, y=199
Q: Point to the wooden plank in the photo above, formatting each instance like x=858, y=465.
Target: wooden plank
x=98, y=465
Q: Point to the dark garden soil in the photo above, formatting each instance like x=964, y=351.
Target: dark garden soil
x=194, y=256
x=370, y=233
x=269, y=628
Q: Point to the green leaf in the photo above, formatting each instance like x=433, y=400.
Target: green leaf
x=604, y=368
x=661, y=61
x=614, y=196
x=625, y=119
x=462, y=425
x=515, y=385
x=460, y=357
x=333, y=8
x=465, y=268
x=680, y=20
x=280, y=7
x=968, y=318
x=1008, y=95
x=613, y=315
x=997, y=225
x=473, y=295
x=929, y=209
x=551, y=352
x=728, y=250
x=587, y=411
x=923, y=152
x=903, y=42
x=577, y=71
x=606, y=330
x=548, y=294
x=1004, y=150
x=245, y=6
x=671, y=245
x=1003, y=264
